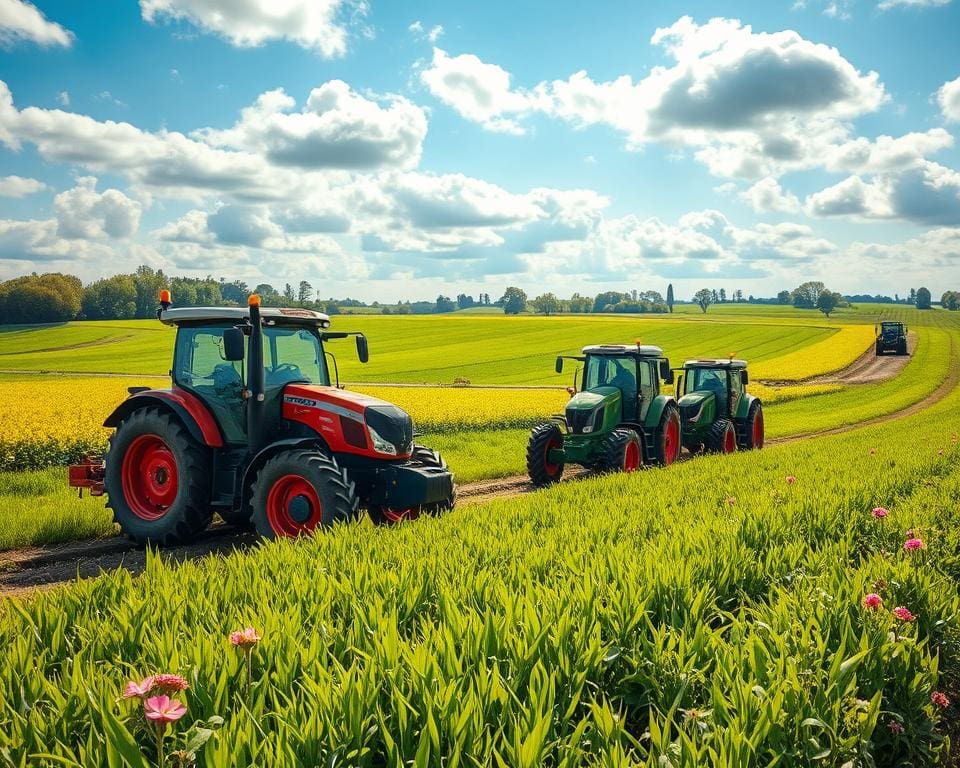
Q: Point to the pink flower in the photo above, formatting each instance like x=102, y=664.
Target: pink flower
x=139, y=690
x=163, y=710
x=245, y=638
x=873, y=601
x=880, y=512
x=911, y=544
x=731, y=500
x=895, y=728
x=903, y=613
x=940, y=699
x=791, y=479
x=169, y=683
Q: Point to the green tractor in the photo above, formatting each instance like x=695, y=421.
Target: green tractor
x=617, y=422
x=717, y=413
x=891, y=337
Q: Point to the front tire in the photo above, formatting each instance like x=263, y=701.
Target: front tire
x=543, y=439
x=425, y=457
x=668, y=437
x=722, y=437
x=298, y=491
x=622, y=452
x=157, y=479
x=753, y=428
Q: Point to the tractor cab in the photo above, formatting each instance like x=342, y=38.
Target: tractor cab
x=891, y=337
x=716, y=411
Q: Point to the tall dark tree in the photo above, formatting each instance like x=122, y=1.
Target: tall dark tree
x=514, y=301
x=805, y=296
x=828, y=301
x=783, y=297
x=235, y=292
x=149, y=283
x=305, y=292
x=670, y=297
x=923, y=298
x=704, y=298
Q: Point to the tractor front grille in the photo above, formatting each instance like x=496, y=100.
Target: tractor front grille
x=689, y=410
x=393, y=425
x=578, y=419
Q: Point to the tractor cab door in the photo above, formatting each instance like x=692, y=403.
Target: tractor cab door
x=200, y=366
x=737, y=391
x=649, y=377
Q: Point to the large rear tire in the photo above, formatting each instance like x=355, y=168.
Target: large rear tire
x=543, y=439
x=622, y=451
x=902, y=348
x=668, y=436
x=425, y=457
x=157, y=479
x=722, y=437
x=753, y=433
x=298, y=491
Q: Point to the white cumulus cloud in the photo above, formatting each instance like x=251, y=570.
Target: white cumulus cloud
x=949, y=99
x=21, y=21
x=767, y=196
x=18, y=186
x=84, y=213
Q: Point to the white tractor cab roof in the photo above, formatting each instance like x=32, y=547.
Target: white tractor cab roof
x=270, y=315
x=715, y=363
x=623, y=349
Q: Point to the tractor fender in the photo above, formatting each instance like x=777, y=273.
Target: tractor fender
x=743, y=409
x=655, y=411
x=253, y=467
x=195, y=416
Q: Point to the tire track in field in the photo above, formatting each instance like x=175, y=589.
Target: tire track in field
x=25, y=571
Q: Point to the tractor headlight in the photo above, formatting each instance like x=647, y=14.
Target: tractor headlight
x=696, y=416
x=379, y=444
x=596, y=420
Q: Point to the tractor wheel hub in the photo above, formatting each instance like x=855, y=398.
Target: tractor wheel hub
x=299, y=508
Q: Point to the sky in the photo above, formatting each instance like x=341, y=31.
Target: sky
x=398, y=151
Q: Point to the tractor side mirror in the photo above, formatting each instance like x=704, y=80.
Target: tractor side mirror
x=559, y=365
x=666, y=373
x=363, y=351
x=744, y=376
x=233, y=344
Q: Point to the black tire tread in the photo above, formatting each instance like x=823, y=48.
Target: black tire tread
x=747, y=443
x=660, y=457
x=614, y=446
x=540, y=435
x=716, y=434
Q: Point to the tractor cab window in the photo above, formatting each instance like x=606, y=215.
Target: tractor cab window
x=619, y=372
x=293, y=355
x=708, y=380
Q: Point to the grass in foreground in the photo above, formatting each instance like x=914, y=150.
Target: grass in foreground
x=709, y=614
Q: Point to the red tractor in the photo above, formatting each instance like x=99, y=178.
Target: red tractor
x=271, y=442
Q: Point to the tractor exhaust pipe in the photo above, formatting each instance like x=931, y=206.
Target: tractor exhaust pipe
x=256, y=383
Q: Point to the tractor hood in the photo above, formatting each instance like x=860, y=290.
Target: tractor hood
x=694, y=405
x=585, y=410
x=349, y=421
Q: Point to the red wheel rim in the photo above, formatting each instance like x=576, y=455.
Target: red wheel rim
x=729, y=441
x=758, y=430
x=398, y=515
x=671, y=441
x=293, y=506
x=551, y=469
x=631, y=457
x=149, y=477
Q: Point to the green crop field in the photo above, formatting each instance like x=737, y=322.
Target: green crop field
x=711, y=613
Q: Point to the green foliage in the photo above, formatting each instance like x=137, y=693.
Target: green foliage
x=923, y=298
x=113, y=298
x=513, y=301
x=48, y=298
x=718, y=622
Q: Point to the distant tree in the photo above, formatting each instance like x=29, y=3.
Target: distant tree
x=445, y=304
x=805, y=296
x=305, y=292
x=464, y=301
x=113, y=298
x=913, y=296
x=580, y=304
x=47, y=298
x=546, y=304
x=148, y=284
x=923, y=298
x=513, y=301
x=608, y=299
x=652, y=297
x=703, y=299
x=269, y=296
x=670, y=297
x=723, y=295
x=235, y=292
x=784, y=297
x=403, y=309
x=738, y=296
x=951, y=300
x=828, y=301
x=288, y=295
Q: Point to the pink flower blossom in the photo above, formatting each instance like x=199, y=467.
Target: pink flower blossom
x=169, y=683
x=880, y=512
x=245, y=638
x=895, y=728
x=873, y=601
x=912, y=544
x=135, y=690
x=163, y=710
x=791, y=479
x=940, y=699
x=903, y=613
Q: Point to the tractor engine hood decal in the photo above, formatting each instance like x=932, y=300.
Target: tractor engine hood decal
x=351, y=422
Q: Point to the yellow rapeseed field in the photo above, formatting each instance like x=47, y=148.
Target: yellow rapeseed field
x=827, y=356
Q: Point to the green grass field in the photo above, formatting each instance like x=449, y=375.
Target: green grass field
x=710, y=613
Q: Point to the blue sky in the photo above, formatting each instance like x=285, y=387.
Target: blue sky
x=388, y=150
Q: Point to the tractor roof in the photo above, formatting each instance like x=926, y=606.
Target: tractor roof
x=616, y=350
x=891, y=322
x=715, y=363
x=271, y=315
